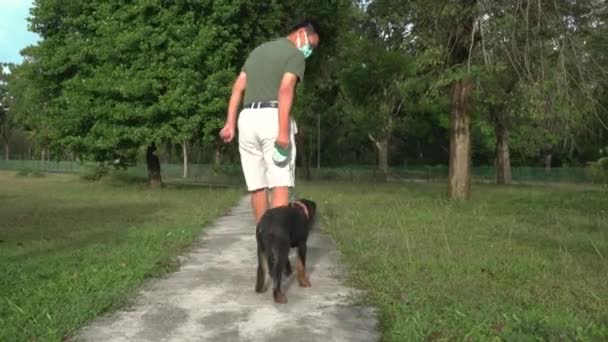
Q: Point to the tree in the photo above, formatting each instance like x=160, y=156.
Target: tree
x=6, y=121
x=376, y=83
x=462, y=39
x=132, y=75
x=29, y=97
x=553, y=76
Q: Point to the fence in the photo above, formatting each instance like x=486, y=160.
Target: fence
x=231, y=174
x=441, y=172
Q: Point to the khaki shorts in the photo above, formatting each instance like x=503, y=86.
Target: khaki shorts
x=258, y=130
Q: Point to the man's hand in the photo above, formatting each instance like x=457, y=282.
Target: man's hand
x=282, y=141
x=227, y=133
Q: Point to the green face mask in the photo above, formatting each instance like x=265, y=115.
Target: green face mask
x=306, y=49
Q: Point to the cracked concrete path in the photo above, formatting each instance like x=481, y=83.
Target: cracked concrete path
x=211, y=297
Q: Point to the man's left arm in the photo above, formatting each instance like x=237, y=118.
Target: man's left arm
x=286, y=94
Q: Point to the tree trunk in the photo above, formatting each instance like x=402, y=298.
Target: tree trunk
x=503, y=161
x=7, y=151
x=310, y=159
x=154, y=176
x=199, y=151
x=548, y=158
x=460, y=140
x=185, y=157
x=462, y=40
x=318, y=141
x=383, y=157
x=217, y=155
x=301, y=145
x=381, y=146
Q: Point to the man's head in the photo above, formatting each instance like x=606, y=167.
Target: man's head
x=305, y=35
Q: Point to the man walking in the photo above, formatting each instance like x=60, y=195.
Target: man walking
x=266, y=130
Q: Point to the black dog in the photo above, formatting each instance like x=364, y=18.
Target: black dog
x=279, y=230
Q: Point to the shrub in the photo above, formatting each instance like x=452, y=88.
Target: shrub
x=96, y=173
x=38, y=174
x=24, y=171
x=598, y=170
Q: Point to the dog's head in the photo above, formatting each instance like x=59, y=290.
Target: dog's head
x=311, y=207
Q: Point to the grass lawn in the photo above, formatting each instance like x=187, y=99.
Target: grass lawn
x=70, y=250
x=516, y=263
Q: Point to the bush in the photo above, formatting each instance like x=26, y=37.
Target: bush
x=38, y=174
x=227, y=170
x=24, y=171
x=96, y=173
x=598, y=170
x=124, y=177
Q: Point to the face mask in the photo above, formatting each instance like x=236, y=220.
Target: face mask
x=306, y=49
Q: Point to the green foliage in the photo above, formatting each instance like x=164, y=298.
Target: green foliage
x=24, y=171
x=29, y=171
x=38, y=174
x=127, y=75
x=598, y=170
x=110, y=77
x=123, y=177
x=29, y=98
x=95, y=173
x=4, y=102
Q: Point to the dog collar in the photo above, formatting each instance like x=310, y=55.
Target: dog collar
x=301, y=205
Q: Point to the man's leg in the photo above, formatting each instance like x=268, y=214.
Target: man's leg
x=280, y=196
x=281, y=193
x=252, y=161
x=259, y=203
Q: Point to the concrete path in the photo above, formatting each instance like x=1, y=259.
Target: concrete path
x=211, y=297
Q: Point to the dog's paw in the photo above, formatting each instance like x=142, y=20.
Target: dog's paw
x=305, y=282
x=261, y=288
x=280, y=298
x=287, y=271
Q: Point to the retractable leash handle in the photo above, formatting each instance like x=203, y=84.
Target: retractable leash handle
x=280, y=155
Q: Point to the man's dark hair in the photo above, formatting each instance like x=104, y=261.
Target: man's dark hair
x=310, y=25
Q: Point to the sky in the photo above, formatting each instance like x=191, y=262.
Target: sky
x=14, y=35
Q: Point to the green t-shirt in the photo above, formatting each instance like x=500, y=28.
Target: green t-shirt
x=266, y=66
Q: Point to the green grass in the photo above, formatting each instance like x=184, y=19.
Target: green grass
x=70, y=250
x=516, y=263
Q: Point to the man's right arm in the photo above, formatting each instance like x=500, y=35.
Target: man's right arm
x=235, y=99
x=227, y=133
x=286, y=94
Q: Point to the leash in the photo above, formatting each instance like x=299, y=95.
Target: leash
x=301, y=205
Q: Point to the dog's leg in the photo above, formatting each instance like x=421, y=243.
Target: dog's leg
x=281, y=256
x=260, y=284
x=288, y=270
x=302, y=276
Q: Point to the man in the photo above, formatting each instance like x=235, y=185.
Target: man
x=268, y=80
